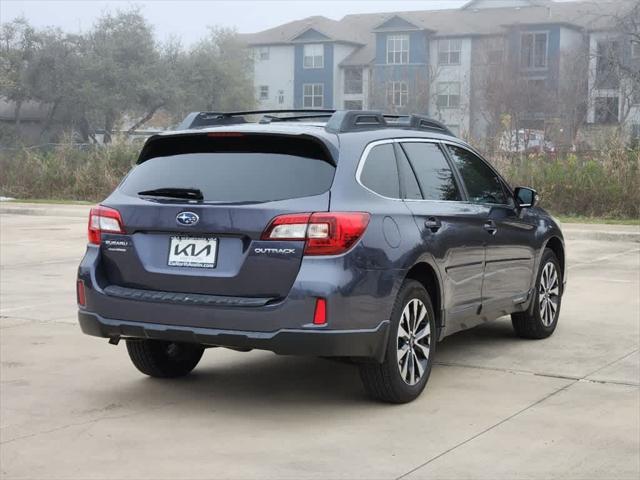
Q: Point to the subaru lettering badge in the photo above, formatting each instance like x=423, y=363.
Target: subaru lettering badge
x=187, y=218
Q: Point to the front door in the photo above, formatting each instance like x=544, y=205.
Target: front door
x=509, y=260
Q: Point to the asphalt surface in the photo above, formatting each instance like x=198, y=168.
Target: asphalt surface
x=496, y=407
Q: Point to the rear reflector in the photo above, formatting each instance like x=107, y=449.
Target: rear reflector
x=103, y=219
x=80, y=293
x=320, y=315
x=328, y=233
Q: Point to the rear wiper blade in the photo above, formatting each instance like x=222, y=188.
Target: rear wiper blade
x=169, y=192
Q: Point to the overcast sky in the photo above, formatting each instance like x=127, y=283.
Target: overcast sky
x=188, y=19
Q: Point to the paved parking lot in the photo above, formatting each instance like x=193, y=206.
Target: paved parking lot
x=496, y=406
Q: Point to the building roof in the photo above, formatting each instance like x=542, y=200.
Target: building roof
x=471, y=4
x=465, y=21
x=336, y=31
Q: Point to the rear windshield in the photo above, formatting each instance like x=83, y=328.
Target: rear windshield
x=250, y=175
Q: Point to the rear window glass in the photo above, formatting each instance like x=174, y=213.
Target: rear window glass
x=409, y=182
x=235, y=176
x=380, y=171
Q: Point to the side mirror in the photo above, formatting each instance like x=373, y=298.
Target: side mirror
x=525, y=197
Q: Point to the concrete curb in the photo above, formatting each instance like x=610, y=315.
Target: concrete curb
x=78, y=211
x=602, y=235
x=572, y=231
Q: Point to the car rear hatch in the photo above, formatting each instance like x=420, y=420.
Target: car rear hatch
x=195, y=206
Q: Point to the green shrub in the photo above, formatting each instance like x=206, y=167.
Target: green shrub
x=605, y=183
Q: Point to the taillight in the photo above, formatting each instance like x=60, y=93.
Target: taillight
x=328, y=233
x=320, y=313
x=103, y=219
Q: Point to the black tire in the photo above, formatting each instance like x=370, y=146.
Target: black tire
x=384, y=381
x=530, y=323
x=162, y=359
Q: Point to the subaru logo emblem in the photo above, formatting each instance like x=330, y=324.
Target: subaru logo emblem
x=187, y=218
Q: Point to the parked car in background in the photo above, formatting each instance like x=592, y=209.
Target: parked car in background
x=525, y=140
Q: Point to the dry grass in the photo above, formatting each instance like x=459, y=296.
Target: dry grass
x=65, y=172
x=604, y=183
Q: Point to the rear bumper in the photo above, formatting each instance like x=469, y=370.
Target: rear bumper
x=367, y=343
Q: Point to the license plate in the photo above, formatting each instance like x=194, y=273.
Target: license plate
x=193, y=252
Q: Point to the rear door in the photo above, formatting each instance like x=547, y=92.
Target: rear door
x=213, y=246
x=451, y=229
x=509, y=235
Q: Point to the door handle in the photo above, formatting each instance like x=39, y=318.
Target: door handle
x=433, y=224
x=490, y=226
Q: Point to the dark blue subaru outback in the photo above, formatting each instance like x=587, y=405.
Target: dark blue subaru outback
x=339, y=234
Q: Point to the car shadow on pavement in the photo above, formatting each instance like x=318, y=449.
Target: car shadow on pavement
x=493, y=333
x=239, y=381
x=242, y=382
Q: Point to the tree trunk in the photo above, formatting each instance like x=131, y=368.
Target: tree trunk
x=109, y=121
x=17, y=112
x=144, y=119
x=83, y=128
x=49, y=121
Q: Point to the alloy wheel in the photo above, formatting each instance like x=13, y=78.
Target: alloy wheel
x=548, y=294
x=414, y=341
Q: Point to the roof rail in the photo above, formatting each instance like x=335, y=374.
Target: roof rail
x=211, y=119
x=274, y=118
x=339, y=121
x=420, y=122
x=355, y=120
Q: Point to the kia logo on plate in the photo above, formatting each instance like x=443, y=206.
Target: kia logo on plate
x=187, y=218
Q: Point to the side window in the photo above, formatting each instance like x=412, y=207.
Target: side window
x=483, y=185
x=408, y=177
x=380, y=171
x=435, y=176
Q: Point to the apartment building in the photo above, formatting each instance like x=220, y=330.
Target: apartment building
x=459, y=65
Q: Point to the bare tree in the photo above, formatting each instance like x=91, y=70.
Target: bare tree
x=616, y=61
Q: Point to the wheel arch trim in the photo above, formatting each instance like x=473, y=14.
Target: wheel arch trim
x=556, y=244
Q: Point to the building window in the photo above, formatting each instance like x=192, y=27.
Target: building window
x=397, y=94
x=353, y=80
x=313, y=55
x=353, y=104
x=608, y=53
x=398, y=49
x=264, y=92
x=449, y=51
x=607, y=110
x=312, y=95
x=448, y=94
x=280, y=97
x=533, y=50
x=263, y=53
